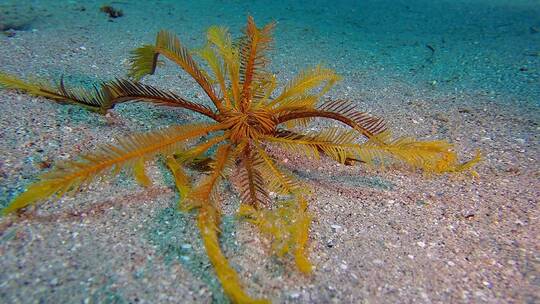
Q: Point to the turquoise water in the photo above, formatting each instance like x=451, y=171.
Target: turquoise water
x=486, y=46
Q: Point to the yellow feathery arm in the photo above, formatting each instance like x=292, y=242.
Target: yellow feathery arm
x=69, y=176
x=202, y=194
x=252, y=59
x=176, y=161
x=208, y=221
x=209, y=55
x=337, y=143
x=434, y=156
x=96, y=99
x=277, y=180
x=144, y=61
x=105, y=95
x=123, y=90
x=252, y=185
x=297, y=102
x=287, y=226
x=140, y=174
x=264, y=90
x=343, y=111
x=181, y=179
x=305, y=82
x=193, y=152
x=300, y=232
x=221, y=39
x=33, y=88
x=467, y=166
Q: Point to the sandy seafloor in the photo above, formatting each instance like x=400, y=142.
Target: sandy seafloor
x=377, y=236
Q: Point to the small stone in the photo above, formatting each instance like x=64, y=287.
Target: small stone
x=295, y=295
x=378, y=262
x=343, y=266
x=330, y=244
x=335, y=227
x=421, y=244
x=451, y=264
x=10, y=33
x=479, y=294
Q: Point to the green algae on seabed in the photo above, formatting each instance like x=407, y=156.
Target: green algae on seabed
x=364, y=181
x=106, y=294
x=176, y=237
x=8, y=235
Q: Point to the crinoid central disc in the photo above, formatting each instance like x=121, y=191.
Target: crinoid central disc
x=251, y=124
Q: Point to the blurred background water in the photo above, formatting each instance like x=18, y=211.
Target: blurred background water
x=490, y=46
